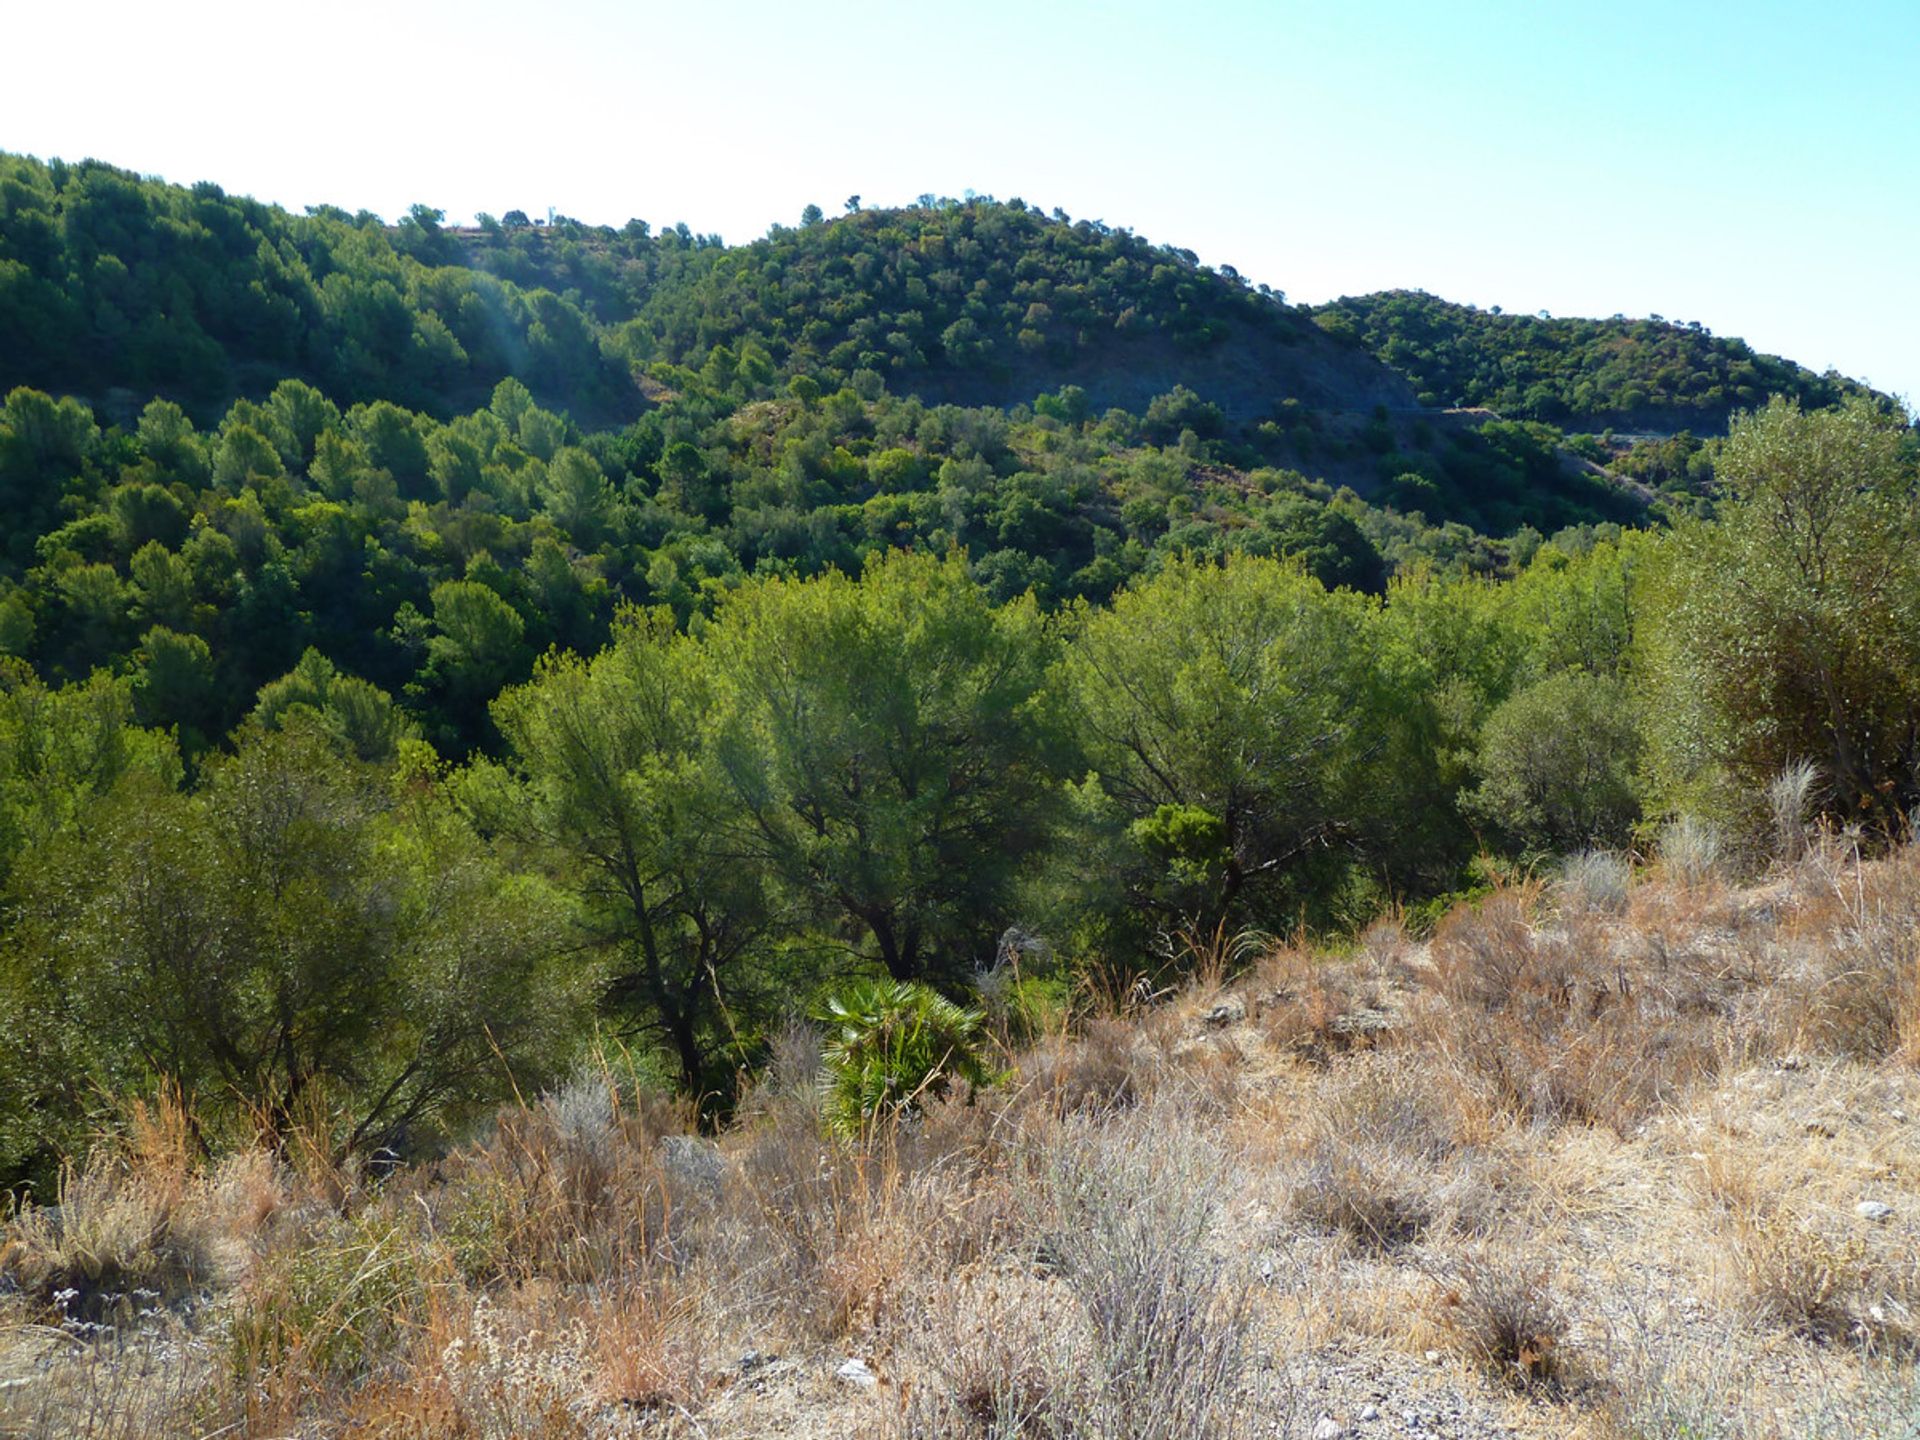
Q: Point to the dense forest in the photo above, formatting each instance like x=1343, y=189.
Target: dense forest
x=422, y=649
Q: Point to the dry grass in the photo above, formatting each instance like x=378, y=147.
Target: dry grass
x=143, y=1220
x=1599, y=1145
x=1388, y=1155
x=1570, y=1024
x=1498, y=1307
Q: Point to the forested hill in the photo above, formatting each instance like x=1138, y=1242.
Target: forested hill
x=112, y=282
x=109, y=281
x=231, y=436
x=992, y=303
x=1650, y=374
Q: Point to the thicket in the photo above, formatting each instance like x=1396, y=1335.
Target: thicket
x=435, y=561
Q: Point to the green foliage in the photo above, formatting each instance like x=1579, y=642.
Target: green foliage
x=1789, y=630
x=107, y=279
x=291, y=930
x=612, y=779
x=359, y=717
x=1223, y=710
x=892, y=1044
x=1556, y=762
x=884, y=583
x=1563, y=370
x=891, y=746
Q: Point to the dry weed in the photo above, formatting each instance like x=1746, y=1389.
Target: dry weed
x=1565, y=1025
x=1391, y=1151
x=1497, y=1305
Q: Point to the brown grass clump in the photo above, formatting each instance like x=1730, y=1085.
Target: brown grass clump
x=142, y=1222
x=1567, y=1025
x=1808, y=1269
x=578, y=1187
x=833, y=1230
x=1792, y=1275
x=1498, y=1308
x=1852, y=985
x=331, y=1303
x=1314, y=1008
x=648, y=1346
x=990, y=1356
x=1391, y=1151
x=1105, y=1068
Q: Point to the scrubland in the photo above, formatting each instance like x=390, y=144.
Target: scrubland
x=1612, y=1154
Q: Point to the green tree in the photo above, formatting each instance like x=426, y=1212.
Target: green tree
x=1556, y=762
x=1223, y=708
x=893, y=747
x=609, y=781
x=475, y=650
x=358, y=716
x=294, y=927
x=175, y=686
x=1789, y=629
x=575, y=493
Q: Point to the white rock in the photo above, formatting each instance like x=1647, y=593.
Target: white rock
x=1369, y=1412
x=1433, y=1357
x=1327, y=1429
x=1874, y=1210
x=857, y=1372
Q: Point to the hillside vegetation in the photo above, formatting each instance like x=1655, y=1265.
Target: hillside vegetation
x=596, y=825
x=1649, y=374
x=1629, y=1156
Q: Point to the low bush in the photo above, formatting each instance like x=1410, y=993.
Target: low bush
x=890, y=1045
x=1170, y=1322
x=1498, y=1306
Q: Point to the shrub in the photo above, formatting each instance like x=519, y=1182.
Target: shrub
x=1783, y=631
x=1500, y=1310
x=1561, y=1029
x=1386, y=1157
x=1170, y=1324
x=892, y=1044
x=1556, y=764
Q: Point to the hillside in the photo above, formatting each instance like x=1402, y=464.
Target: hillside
x=111, y=281
x=602, y=833
x=1629, y=1156
x=114, y=283
x=1635, y=375
x=984, y=303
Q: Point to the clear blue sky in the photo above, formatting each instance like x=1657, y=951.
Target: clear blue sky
x=1748, y=165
